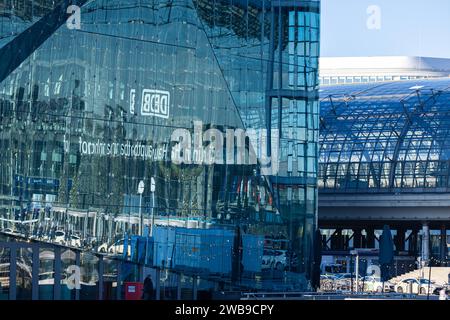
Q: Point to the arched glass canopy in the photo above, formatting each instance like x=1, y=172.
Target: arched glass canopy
x=385, y=137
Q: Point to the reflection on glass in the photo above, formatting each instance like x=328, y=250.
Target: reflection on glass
x=4, y=273
x=24, y=273
x=46, y=273
x=71, y=177
x=89, y=276
x=68, y=260
x=187, y=292
x=110, y=278
x=168, y=285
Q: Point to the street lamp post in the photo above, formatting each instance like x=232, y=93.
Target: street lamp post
x=152, y=190
x=141, y=220
x=357, y=272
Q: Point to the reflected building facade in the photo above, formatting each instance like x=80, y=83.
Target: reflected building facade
x=95, y=110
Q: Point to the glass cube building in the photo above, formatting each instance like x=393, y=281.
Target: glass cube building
x=96, y=100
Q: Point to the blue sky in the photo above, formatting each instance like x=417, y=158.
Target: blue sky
x=408, y=27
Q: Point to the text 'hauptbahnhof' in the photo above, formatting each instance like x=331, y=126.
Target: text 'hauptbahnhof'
x=176, y=138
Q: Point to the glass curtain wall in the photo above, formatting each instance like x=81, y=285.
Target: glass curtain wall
x=385, y=137
x=95, y=110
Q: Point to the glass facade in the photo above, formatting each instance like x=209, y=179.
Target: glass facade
x=391, y=137
x=132, y=95
x=333, y=80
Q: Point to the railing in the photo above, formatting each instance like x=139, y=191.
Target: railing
x=329, y=296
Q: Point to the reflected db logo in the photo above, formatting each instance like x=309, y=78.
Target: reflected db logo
x=155, y=103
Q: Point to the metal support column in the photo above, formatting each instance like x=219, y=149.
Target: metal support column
x=78, y=264
x=336, y=240
x=101, y=270
x=341, y=240
x=400, y=239
x=194, y=288
x=12, y=272
x=357, y=238
x=347, y=264
x=370, y=238
x=443, y=246
x=57, y=283
x=357, y=272
x=158, y=284
x=35, y=273
x=413, y=242
x=119, y=280
x=425, y=243
x=179, y=276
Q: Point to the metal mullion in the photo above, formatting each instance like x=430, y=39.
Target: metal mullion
x=367, y=155
x=421, y=144
x=343, y=147
x=179, y=276
x=428, y=160
x=57, y=281
x=12, y=271
x=381, y=136
x=78, y=264
x=415, y=161
x=405, y=161
x=194, y=287
x=409, y=116
x=35, y=273
x=101, y=270
x=119, y=279
x=358, y=139
x=400, y=140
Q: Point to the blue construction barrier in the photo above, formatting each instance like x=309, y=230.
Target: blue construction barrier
x=204, y=249
x=193, y=249
x=164, y=242
x=196, y=250
x=253, y=247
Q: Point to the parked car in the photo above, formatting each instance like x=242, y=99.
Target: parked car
x=327, y=282
x=115, y=248
x=333, y=268
x=374, y=284
x=418, y=286
x=60, y=237
x=347, y=276
x=103, y=248
x=75, y=241
x=447, y=288
x=344, y=281
x=274, y=259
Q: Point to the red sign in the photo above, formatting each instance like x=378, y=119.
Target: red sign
x=133, y=290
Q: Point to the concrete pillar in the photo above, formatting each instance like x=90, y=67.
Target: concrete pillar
x=425, y=242
x=443, y=246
